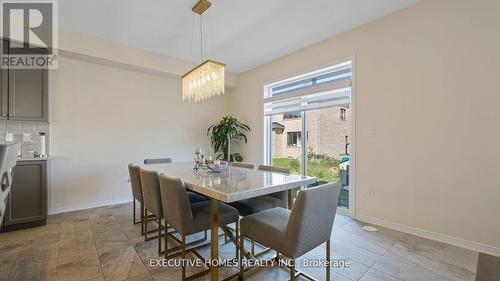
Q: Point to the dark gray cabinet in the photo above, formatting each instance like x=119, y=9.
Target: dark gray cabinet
x=4, y=94
x=27, y=95
x=27, y=202
x=24, y=94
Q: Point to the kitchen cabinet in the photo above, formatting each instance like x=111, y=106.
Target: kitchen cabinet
x=24, y=94
x=27, y=202
x=4, y=94
x=27, y=95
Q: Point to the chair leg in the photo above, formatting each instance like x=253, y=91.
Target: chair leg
x=241, y=257
x=159, y=237
x=292, y=271
x=328, y=260
x=133, y=204
x=166, y=242
x=183, y=256
x=145, y=225
x=142, y=218
x=252, y=247
x=236, y=244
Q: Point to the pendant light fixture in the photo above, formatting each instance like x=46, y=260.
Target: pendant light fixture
x=207, y=79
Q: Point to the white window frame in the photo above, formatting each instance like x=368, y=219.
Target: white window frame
x=267, y=149
x=297, y=133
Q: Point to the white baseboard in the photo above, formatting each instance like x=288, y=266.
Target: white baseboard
x=467, y=244
x=53, y=211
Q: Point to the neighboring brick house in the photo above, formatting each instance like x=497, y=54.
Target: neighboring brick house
x=327, y=130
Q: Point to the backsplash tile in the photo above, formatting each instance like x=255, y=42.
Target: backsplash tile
x=18, y=128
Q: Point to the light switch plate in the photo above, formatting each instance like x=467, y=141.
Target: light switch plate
x=9, y=137
x=369, y=132
x=26, y=137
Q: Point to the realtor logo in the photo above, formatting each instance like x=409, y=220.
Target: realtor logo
x=29, y=30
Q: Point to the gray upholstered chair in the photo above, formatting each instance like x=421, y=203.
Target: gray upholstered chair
x=242, y=165
x=254, y=205
x=283, y=195
x=148, y=161
x=258, y=204
x=8, y=159
x=135, y=182
x=274, y=169
x=152, y=201
x=296, y=232
x=189, y=218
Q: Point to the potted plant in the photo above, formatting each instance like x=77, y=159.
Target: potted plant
x=229, y=130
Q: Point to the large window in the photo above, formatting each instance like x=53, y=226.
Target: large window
x=303, y=130
x=294, y=139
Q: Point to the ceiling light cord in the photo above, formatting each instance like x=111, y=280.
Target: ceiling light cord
x=201, y=38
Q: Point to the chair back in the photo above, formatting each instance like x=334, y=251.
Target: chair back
x=8, y=159
x=311, y=219
x=135, y=181
x=283, y=195
x=176, y=206
x=148, y=161
x=274, y=169
x=242, y=165
x=151, y=192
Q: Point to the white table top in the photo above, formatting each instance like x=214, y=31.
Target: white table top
x=232, y=183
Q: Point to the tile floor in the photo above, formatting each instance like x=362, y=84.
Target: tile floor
x=103, y=244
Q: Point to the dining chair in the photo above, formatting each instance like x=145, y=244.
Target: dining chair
x=283, y=195
x=190, y=218
x=296, y=232
x=148, y=161
x=242, y=165
x=8, y=159
x=135, y=182
x=152, y=202
x=258, y=204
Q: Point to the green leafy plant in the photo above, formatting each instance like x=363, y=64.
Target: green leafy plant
x=229, y=130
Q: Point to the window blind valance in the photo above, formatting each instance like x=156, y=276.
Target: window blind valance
x=325, y=88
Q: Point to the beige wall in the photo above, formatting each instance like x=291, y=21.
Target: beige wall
x=103, y=118
x=427, y=83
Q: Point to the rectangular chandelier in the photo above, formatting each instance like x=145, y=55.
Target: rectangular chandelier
x=204, y=81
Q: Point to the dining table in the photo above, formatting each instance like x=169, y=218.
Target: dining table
x=227, y=184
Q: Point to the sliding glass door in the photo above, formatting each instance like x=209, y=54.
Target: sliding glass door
x=309, y=126
x=328, y=147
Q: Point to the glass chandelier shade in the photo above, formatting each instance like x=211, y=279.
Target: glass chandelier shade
x=204, y=81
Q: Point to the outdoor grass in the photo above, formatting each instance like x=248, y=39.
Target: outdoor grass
x=323, y=169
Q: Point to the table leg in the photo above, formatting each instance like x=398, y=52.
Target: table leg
x=214, y=245
x=290, y=199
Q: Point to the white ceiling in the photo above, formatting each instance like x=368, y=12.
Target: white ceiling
x=242, y=34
